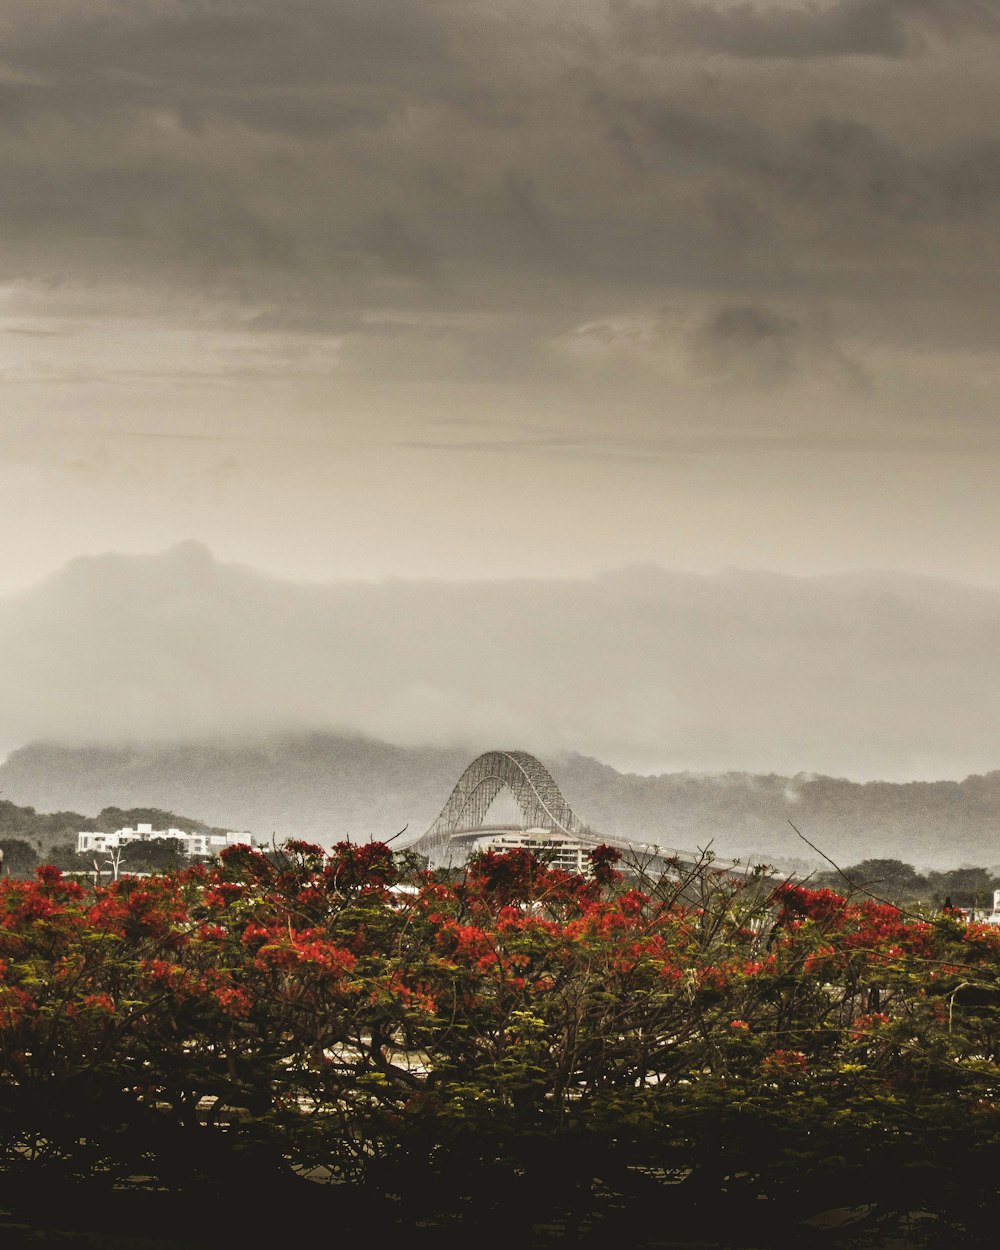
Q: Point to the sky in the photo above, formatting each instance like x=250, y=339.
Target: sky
x=461, y=289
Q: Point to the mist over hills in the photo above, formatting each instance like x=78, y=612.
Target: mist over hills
x=327, y=786
x=720, y=706
x=313, y=785
x=870, y=676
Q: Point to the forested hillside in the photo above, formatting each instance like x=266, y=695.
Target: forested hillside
x=45, y=830
x=329, y=786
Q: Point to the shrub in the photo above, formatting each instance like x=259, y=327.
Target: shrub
x=514, y=1040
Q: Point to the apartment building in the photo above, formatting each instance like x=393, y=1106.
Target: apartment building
x=189, y=844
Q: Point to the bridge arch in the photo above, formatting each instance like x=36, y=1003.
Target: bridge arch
x=543, y=807
x=539, y=798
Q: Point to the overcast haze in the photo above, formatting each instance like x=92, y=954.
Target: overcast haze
x=462, y=290
x=860, y=675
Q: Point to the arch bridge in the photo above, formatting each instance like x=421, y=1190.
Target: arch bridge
x=450, y=838
x=462, y=818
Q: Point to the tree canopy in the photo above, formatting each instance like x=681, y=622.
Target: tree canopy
x=722, y=1054
x=19, y=857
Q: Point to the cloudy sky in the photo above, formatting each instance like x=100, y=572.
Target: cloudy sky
x=463, y=288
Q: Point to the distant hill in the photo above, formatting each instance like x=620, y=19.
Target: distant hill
x=312, y=785
x=937, y=824
x=44, y=830
x=328, y=786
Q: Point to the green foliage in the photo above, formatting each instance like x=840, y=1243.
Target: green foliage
x=37, y=827
x=510, y=1044
x=64, y=855
x=900, y=883
x=888, y=878
x=966, y=887
x=52, y=832
x=19, y=857
x=154, y=855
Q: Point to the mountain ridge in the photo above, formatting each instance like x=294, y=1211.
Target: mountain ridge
x=328, y=787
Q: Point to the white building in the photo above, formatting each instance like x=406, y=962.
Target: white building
x=993, y=917
x=555, y=850
x=188, y=844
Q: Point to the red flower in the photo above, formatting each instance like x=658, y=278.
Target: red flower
x=602, y=861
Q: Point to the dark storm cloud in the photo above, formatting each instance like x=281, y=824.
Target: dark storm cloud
x=108, y=74
x=829, y=162
x=401, y=253
x=226, y=55
x=741, y=347
x=155, y=125
x=176, y=212
x=303, y=162
x=887, y=28
x=747, y=341
x=845, y=160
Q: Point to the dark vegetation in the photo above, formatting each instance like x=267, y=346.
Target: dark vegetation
x=29, y=838
x=969, y=888
x=250, y=1049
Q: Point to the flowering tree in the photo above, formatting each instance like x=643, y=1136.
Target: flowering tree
x=512, y=1039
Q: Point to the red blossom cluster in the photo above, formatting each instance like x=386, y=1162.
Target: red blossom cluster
x=275, y=983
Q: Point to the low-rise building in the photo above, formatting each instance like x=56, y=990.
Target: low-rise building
x=556, y=850
x=992, y=917
x=188, y=844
